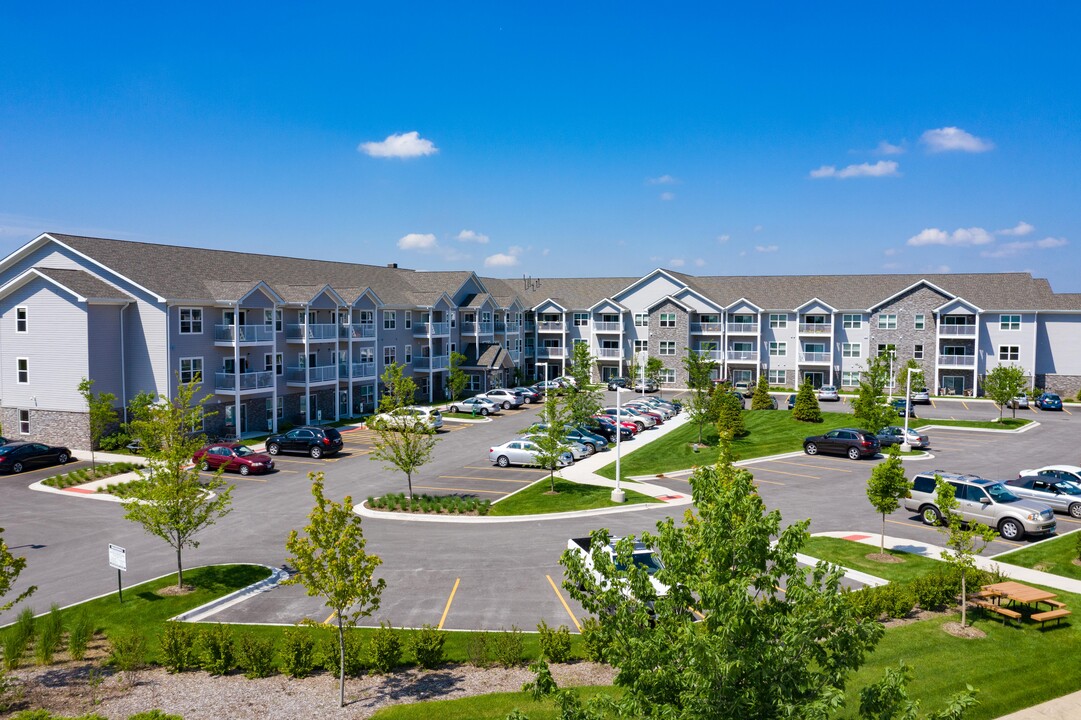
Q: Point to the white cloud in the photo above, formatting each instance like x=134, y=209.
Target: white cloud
x=954, y=139
x=507, y=259
x=663, y=180
x=1022, y=228
x=757, y=228
x=667, y=196
x=417, y=241
x=722, y=239
x=405, y=145
x=1017, y=247
x=890, y=252
x=765, y=248
x=677, y=262
x=882, y=168
x=961, y=237
x=470, y=236
x=887, y=148
x=699, y=262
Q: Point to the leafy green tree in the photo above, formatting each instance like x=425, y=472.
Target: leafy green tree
x=806, y=408
x=457, y=379
x=654, y=366
x=918, y=380
x=401, y=446
x=886, y=488
x=869, y=407
x=1003, y=384
x=961, y=537
x=551, y=441
x=888, y=699
x=10, y=568
x=761, y=399
x=729, y=414
x=634, y=369
x=747, y=649
x=101, y=414
x=699, y=371
x=331, y=563
x=173, y=503
x=583, y=398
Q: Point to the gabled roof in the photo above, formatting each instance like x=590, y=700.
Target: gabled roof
x=609, y=302
x=79, y=283
x=814, y=301
x=957, y=302
x=669, y=298
x=742, y=301
x=922, y=282
x=649, y=276
x=491, y=356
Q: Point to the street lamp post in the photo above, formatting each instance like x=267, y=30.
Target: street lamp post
x=618, y=496
x=906, y=446
x=893, y=354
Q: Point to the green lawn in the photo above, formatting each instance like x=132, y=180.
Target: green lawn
x=1052, y=556
x=769, y=432
x=1006, y=424
x=534, y=499
x=850, y=554
x=495, y=706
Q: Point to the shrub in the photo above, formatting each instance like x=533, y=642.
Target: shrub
x=476, y=649
x=806, y=408
x=216, y=651
x=328, y=657
x=129, y=651
x=19, y=637
x=385, y=649
x=79, y=635
x=52, y=630
x=730, y=415
x=255, y=655
x=427, y=646
x=933, y=591
x=177, y=645
x=594, y=639
x=116, y=441
x=761, y=399
x=508, y=647
x=555, y=643
x=154, y=714
x=297, y=653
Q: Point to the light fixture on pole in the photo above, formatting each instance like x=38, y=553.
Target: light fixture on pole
x=618, y=495
x=893, y=353
x=906, y=446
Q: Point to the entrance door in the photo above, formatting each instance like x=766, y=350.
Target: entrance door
x=817, y=379
x=230, y=418
x=608, y=372
x=343, y=402
x=742, y=376
x=954, y=384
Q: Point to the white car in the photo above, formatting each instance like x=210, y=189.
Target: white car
x=628, y=415
x=1071, y=473
x=521, y=452
x=410, y=417
x=921, y=395
x=1020, y=402
x=475, y=405
x=828, y=392
x=505, y=398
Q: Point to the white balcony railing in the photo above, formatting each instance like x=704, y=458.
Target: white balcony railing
x=511, y=327
x=549, y=353
x=814, y=357
x=361, y=370
x=608, y=327
x=609, y=353
x=530, y=327
x=707, y=327
x=530, y=351
x=957, y=330
x=245, y=333
x=711, y=354
x=745, y=328
x=814, y=328
x=227, y=381
x=551, y=325
x=431, y=362
x=316, y=374
x=477, y=328
x=357, y=331
x=957, y=360
x=321, y=332
x=741, y=355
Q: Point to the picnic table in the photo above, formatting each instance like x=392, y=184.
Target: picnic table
x=1026, y=595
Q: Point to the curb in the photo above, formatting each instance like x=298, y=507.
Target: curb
x=206, y=610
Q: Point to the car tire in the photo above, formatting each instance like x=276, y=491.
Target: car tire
x=502, y=461
x=931, y=515
x=1075, y=510
x=853, y=453
x=204, y=466
x=273, y=448
x=810, y=448
x=1011, y=529
x=316, y=452
x=590, y=449
x=62, y=458
x=641, y=426
x=245, y=470
x=17, y=467
x=484, y=412
x=452, y=409
x=506, y=404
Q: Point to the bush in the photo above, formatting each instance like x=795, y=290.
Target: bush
x=555, y=643
x=117, y=441
x=19, y=637
x=508, y=647
x=476, y=649
x=806, y=408
x=761, y=399
x=730, y=415
x=327, y=653
x=216, y=651
x=594, y=639
x=52, y=631
x=255, y=655
x=934, y=591
x=154, y=714
x=895, y=600
x=177, y=644
x=385, y=649
x=129, y=651
x=297, y=653
x=427, y=646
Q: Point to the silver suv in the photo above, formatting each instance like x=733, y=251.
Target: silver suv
x=985, y=501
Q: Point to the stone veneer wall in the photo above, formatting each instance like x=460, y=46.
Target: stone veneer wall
x=680, y=334
x=1068, y=386
x=921, y=300
x=52, y=427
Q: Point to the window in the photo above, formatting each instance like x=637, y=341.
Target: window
x=408, y=357
x=24, y=422
x=20, y=319
x=579, y=341
x=23, y=365
x=191, y=370
x=641, y=320
x=851, y=350
x=274, y=363
x=885, y=348
x=850, y=378
x=390, y=355
x=270, y=410
x=667, y=376
x=920, y=322
x=778, y=349
x=1009, y=352
x=777, y=377
x=408, y=319
x=887, y=321
x=852, y=322
x=390, y=320
x=1009, y=322
x=668, y=347
x=278, y=321
x=778, y=321
x=668, y=320
x=191, y=321
x=581, y=319
x=641, y=345
x=917, y=352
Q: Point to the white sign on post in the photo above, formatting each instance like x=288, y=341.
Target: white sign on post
x=118, y=557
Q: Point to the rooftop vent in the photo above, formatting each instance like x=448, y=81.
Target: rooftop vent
x=392, y=265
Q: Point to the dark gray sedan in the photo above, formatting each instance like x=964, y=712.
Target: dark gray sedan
x=1062, y=495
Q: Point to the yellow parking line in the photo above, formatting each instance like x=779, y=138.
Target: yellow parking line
x=782, y=472
x=933, y=403
x=473, y=477
x=515, y=469
x=768, y=482
x=565, y=605
x=700, y=615
x=1066, y=411
x=327, y=621
x=463, y=490
x=446, y=609
x=963, y=403
x=787, y=462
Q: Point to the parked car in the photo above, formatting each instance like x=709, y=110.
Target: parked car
x=606, y=426
x=548, y=385
x=658, y=417
x=615, y=383
x=642, y=556
x=505, y=398
x=895, y=435
x=306, y=440
x=791, y=401
x=566, y=381
x=1049, y=401
x=901, y=405
x=921, y=396
x=744, y=388
x=852, y=442
x=626, y=424
x=235, y=457
x=1061, y=494
x=828, y=392
x=671, y=409
x=1062, y=472
x=641, y=421
x=1019, y=402
x=985, y=501
x=646, y=386
x=18, y=456
x=521, y=452
x=660, y=412
x=530, y=395
x=417, y=418
x=475, y=405
x=592, y=442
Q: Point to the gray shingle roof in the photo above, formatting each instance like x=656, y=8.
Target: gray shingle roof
x=85, y=284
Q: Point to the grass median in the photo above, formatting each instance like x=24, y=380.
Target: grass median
x=1003, y=424
x=571, y=496
x=1058, y=557
x=853, y=555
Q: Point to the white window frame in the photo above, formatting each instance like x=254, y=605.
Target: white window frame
x=850, y=378
x=22, y=371
x=24, y=422
x=641, y=319
x=778, y=348
x=21, y=319
x=408, y=319
x=667, y=320
x=777, y=377
x=1012, y=353
x=667, y=376
x=919, y=322
x=195, y=317
x=851, y=350
x=852, y=322
x=279, y=320
x=917, y=351
x=276, y=361
x=640, y=345
x=191, y=369
x=778, y=320
x=580, y=319
x=1009, y=323
x=887, y=321
x=407, y=354
x=667, y=347
x=390, y=355
x=390, y=320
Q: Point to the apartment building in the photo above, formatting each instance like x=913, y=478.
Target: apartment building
x=284, y=340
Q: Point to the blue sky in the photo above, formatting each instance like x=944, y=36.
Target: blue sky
x=552, y=139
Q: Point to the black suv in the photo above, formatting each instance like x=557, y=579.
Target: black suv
x=854, y=443
x=314, y=441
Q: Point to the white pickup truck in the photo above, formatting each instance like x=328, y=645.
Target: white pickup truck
x=642, y=555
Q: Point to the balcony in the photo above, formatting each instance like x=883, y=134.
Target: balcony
x=475, y=328
x=324, y=332
x=431, y=362
x=510, y=328
x=431, y=329
x=958, y=361
x=742, y=328
x=530, y=327
x=607, y=327
x=609, y=353
x=748, y=356
x=318, y=375
x=247, y=334
x=815, y=357
x=530, y=351
x=550, y=353
x=357, y=331
x=710, y=354
x=226, y=382
x=551, y=326
x=707, y=328
x=957, y=330
x=361, y=370
x=515, y=356
x=806, y=328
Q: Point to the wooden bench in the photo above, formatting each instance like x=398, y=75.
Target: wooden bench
x=1055, y=615
x=1055, y=604
x=1006, y=613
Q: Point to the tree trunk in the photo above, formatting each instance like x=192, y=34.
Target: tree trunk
x=179, y=571
x=341, y=662
x=409, y=480
x=552, y=478
x=882, y=538
x=964, y=599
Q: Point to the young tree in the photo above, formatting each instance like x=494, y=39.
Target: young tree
x=654, y=366
x=1003, y=384
x=729, y=414
x=583, y=398
x=700, y=406
x=888, y=699
x=756, y=651
x=961, y=537
x=918, y=380
x=10, y=567
x=173, y=504
x=886, y=487
x=806, y=408
x=331, y=563
x=868, y=407
x=457, y=379
x=101, y=415
x=761, y=399
x=401, y=446
x=551, y=442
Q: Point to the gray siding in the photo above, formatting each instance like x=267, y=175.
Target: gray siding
x=105, y=367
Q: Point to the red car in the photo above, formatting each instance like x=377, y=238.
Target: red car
x=233, y=456
x=626, y=424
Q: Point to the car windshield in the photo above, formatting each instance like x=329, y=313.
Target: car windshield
x=243, y=451
x=646, y=560
x=1000, y=494
x=1068, y=488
